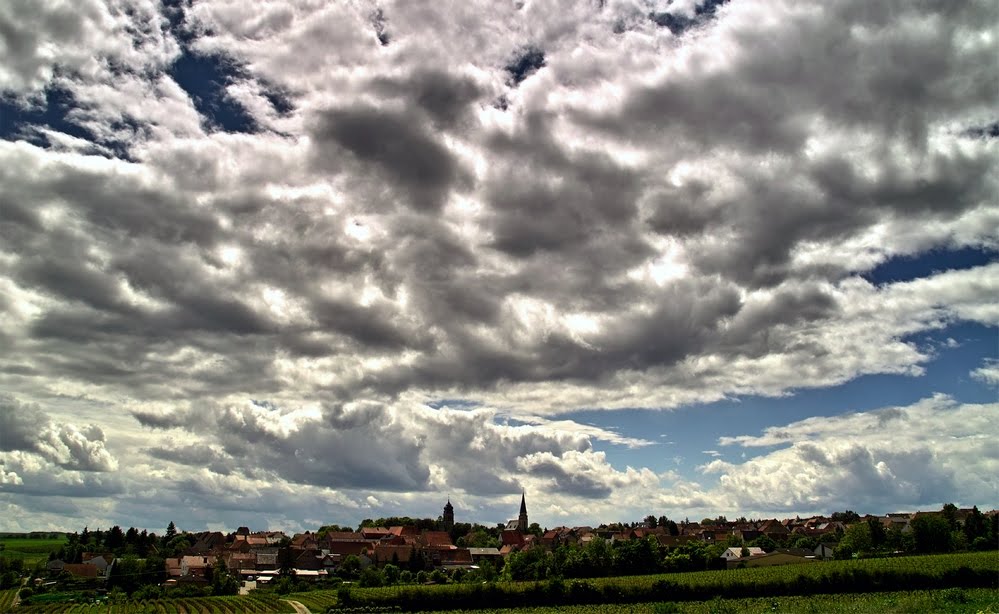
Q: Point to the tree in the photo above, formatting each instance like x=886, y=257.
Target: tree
x=949, y=513
x=391, y=574
x=846, y=517
x=223, y=582
x=878, y=534
x=765, y=542
x=350, y=567
x=857, y=539
x=975, y=525
x=371, y=576
x=651, y=521
x=930, y=533
x=171, y=532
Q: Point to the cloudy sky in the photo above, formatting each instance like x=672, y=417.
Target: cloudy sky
x=305, y=262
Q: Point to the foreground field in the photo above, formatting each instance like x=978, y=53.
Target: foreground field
x=948, y=600
x=958, y=601
x=259, y=604
x=942, y=583
x=967, y=570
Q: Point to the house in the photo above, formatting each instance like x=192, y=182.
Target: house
x=774, y=529
x=207, y=543
x=240, y=561
x=304, y=541
x=196, y=565
x=384, y=554
x=457, y=558
x=307, y=558
x=103, y=562
x=267, y=558
x=825, y=551
x=173, y=568
x=732, y=554
x=485, y=554
x=82, y=570
x=551, y=539
x=343, y=536
x=374, y=533
x=436, y=539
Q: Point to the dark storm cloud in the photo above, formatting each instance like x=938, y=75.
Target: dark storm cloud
x=393, y=144
x=656, y=216
x=21, y=424
x=27, y=428
x=336, y=453
x=756, y=102
x=367, y=446
x=115, y=202
x=567, y=481
x=445, y=97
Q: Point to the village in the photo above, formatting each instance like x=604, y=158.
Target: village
x=441, y=550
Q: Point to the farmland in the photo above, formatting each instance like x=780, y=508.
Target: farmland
x=948, y=600
x=263, y=603
x=964, y=582
x=30, y=550
x=970, y=570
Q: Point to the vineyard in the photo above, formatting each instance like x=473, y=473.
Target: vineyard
x=259, y=603
x=7, y=599
x=955, y=601
x=968, y=570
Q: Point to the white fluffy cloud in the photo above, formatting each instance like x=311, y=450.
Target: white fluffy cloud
x=539, y=207
x=922, y=455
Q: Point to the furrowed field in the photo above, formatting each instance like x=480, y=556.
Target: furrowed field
x=964, y=582
x=947, y=600
x=259, y=603
x=967, y=570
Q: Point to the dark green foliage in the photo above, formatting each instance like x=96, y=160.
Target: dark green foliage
x=875, y=575
x=931, y=533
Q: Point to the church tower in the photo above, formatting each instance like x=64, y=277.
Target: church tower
x=448, y=516
x=522, y=519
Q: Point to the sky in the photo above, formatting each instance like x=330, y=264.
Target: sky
x=301, y=262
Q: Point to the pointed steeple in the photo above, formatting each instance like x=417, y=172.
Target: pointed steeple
x=448, y=516
x=522, y=519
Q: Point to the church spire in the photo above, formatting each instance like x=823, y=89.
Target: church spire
x=522, y=519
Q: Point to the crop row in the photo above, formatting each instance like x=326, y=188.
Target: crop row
x=948, y=600
x=260, y=604
x=904, y=573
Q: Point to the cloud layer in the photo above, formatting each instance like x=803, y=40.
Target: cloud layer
x=540, y=207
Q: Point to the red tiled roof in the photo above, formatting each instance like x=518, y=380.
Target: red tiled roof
x=436, y=538
x=84, y=570
x=374, y=532
x=511, y=538
x=343, y=536
x=386, y=554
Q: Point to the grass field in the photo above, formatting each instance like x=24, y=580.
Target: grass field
x=29, y=550
x=914, y=573
x=958, y=601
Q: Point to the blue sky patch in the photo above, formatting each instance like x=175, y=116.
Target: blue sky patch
x=907, y=268
x=205, y=78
